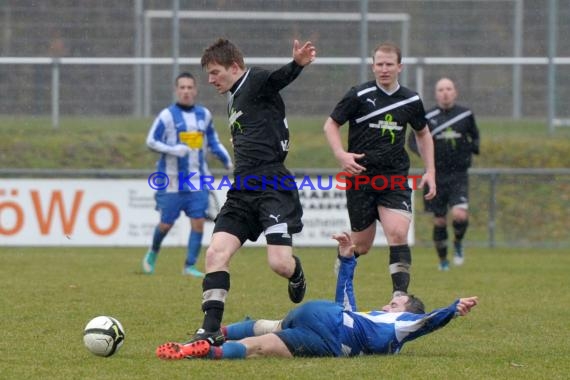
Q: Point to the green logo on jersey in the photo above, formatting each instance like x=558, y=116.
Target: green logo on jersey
x=388, y=126
x=232, y=122
x=450, y=135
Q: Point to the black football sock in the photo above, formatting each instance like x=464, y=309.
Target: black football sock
x=440, y=241
x=400, y=263
x=215, y=286
x=459, y=228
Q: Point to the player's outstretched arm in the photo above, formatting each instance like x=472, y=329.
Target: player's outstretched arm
x=344, y=293
x=465, y=305
x=345, y=244
x=426, y=323
x=304, y=55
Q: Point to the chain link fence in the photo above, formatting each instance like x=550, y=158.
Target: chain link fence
x=438, y=28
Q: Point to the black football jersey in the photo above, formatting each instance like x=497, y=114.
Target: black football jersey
x=377, y=125
x=260, y=134
x=455, y=137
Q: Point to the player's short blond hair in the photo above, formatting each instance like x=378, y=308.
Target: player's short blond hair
x=388, y=47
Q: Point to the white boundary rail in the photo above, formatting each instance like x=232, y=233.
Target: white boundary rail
x=418, y=62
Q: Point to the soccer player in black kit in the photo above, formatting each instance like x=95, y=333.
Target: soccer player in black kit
x=260, y=200
x=456, y=139
x=378, y=113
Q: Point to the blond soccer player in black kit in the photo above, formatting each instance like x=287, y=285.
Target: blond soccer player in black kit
x=261, y=199
x=378, y=113
x=456, y=139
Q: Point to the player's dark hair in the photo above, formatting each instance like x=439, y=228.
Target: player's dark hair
x=223, y=52
x=415, y=305
x=388, y=47
x=184, y=74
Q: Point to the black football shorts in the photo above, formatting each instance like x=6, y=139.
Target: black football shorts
x=247, y=213
x=452, y=190
x=363, y=205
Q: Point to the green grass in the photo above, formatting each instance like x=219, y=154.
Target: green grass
x=519, y=330
x=119, y=143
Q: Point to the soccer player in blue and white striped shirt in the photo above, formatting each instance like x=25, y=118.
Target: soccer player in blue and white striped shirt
x=183, y=134
x=326, y=328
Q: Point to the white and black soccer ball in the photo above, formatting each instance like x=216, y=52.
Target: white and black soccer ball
x=103, y=335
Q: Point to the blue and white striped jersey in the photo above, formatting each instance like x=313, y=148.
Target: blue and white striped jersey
x=379, y=332
x=194, y=127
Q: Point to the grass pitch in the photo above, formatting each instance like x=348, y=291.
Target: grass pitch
x=119, y=143
x=519, y=330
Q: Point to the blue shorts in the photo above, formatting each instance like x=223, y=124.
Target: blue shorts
x=313, y=329
x=193, y=203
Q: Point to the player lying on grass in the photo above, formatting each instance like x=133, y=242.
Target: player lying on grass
x=325, y=328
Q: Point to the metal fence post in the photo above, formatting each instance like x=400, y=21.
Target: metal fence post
x=420, y=77
x=517, y=52
x=363, y=40
x=138, y=68
x=552, y=46
x=175, y=41
x=492, y=208
x=55, y=93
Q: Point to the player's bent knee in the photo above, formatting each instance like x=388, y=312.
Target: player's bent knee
x=217, y=259
x=163, y=227
x=397, y=237
x=220, y=251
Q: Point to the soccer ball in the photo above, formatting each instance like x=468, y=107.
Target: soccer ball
x=103, y=336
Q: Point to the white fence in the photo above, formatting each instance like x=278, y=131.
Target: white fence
x=419, y=64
